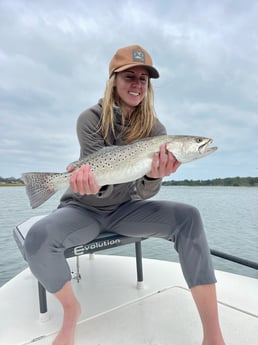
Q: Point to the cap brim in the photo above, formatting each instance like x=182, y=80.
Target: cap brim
x=152, y=71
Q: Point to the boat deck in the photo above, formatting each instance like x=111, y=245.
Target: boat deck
x=116, y=312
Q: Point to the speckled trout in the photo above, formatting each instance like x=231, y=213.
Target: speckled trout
x=118, y=164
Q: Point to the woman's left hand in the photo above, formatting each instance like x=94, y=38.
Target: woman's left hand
x=164, y=163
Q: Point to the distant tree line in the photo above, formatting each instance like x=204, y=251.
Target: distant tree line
x=228, y=182
x=10, y=181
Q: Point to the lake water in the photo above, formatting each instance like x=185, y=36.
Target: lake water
x=230, y=216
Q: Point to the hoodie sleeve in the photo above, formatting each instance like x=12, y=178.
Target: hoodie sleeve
x=146, y=187
x=91, y=140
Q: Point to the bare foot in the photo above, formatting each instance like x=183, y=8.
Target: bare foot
x=67, y=332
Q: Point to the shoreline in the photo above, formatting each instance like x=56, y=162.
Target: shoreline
x=163, y=185
x=12, y=185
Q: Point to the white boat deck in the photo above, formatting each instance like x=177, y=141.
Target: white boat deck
x=116, y=312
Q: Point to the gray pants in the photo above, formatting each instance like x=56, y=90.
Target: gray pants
x=73, y=225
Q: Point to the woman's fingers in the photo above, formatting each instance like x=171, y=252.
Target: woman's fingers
x=164, y=163
x=82, y=181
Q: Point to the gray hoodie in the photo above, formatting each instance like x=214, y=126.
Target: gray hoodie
x=90, y=139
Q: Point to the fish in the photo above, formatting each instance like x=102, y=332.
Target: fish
x=118, y=164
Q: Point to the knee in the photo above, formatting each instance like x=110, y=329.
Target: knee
x=34, y=240
x=194, y=215
x=192, y=224
x=195, y=218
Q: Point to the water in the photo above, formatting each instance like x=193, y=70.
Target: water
x=229, y=214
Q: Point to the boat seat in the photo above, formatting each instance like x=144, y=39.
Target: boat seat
x=105, y=240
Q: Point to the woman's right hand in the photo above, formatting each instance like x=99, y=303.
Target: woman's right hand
x=82, y=180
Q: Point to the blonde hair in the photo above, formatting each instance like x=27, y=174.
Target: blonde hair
x=141, y=120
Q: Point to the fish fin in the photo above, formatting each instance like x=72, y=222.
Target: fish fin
x=39, y=187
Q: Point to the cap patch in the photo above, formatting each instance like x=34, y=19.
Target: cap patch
x=138, y=56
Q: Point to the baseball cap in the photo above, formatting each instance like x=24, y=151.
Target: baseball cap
x=132, y=56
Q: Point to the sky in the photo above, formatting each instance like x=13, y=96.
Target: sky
x=54, y=58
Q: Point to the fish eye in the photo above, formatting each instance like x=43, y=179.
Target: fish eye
x=199, y=140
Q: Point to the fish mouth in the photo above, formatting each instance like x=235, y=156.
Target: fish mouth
x=205, y=149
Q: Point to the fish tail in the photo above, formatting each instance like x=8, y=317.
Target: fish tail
x=40, y=187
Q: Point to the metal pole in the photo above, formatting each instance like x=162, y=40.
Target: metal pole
x=138, y=251
x=236, y=259
x=42, y=299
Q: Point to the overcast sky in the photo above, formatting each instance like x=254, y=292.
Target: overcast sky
x=54, y=58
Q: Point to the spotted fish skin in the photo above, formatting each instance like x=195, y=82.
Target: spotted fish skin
x=118, y=164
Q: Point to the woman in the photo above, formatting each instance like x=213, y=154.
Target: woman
x=125, y=114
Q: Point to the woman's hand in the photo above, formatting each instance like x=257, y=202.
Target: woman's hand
x=82, y=180
x=163, y=164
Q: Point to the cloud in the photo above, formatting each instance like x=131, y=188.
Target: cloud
x=54, y=64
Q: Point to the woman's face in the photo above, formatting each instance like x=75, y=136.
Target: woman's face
x=131, y=86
